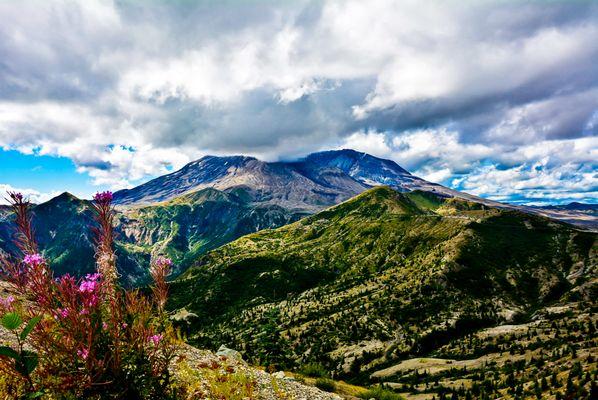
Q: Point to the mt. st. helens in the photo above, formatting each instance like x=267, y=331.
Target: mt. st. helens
x=308, y=185
x=312, y=183
x=214, y=200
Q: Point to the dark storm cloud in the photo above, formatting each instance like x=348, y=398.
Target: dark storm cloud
x=255, y=121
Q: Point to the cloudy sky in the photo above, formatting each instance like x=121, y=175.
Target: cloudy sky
x=499, y=99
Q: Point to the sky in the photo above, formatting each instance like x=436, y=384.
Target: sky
x=495, y=98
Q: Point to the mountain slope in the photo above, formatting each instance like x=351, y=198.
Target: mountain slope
x=381, y=277
x=182, y=228
x=254, y=180
x=311, y=184
x=192, y=224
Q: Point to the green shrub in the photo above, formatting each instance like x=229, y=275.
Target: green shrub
x=380, y=393
x=325, y=384
x=314, y=370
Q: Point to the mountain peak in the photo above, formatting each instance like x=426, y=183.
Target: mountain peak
x=212, y=158
x=312, y=183
x=64, y=196
x=348, y=159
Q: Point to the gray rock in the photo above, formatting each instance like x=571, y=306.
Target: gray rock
x=229, y=353
x=279, y=375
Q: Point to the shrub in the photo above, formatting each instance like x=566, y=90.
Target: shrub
x=325, y=384
x=314, y=370
x=216, y=380
x=380, y=393
x=83, y=338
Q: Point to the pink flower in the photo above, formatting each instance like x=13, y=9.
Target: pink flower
x=160, y=268
x=155, y=339
x=7, y=302
x=33, y=260
x=103, y=197
x=88, y=286
x=124, y=325
x=83, y=353
x=163, y=262
x=93, y=277
x=84, y=311
x=63, y=312
x=104, y=326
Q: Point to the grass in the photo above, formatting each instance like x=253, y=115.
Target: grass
x=325, y=384
x=314, y=370
x=217, y=382
x=380, y=393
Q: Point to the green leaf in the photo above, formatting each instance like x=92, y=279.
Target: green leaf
x=27, y=363
x=35, y=395
x=11, y=321
x=8, y=352
x=30, y=325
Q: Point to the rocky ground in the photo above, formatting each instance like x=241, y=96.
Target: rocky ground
x=226, y=375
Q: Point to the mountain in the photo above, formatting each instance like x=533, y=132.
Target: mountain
x=381, y=278
x=182, y=228
x=573, y=206
x=280, y=184
x=580, y=214
x=214, y=200
x=61, y=226
x=311, y=184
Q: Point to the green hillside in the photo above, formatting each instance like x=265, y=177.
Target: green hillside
x=182, y=228
x=190, y=225
x=380, y=278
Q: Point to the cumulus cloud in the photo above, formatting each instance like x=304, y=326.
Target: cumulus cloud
x=551, y=170
x=450, y=90
x=532, y=183
x=32, y=195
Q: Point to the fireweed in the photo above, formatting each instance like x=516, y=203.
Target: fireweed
x=88, y=337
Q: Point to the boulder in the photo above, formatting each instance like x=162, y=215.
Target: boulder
x=229, y=353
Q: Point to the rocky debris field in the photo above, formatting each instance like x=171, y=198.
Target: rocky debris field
x=225, y=375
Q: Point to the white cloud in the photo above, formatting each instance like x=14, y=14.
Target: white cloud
x=444, y=88
x=557, y=169
x=370, y=142
x=31, y=194
x=129, y=165
x=425, y=152
x=535, y=181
